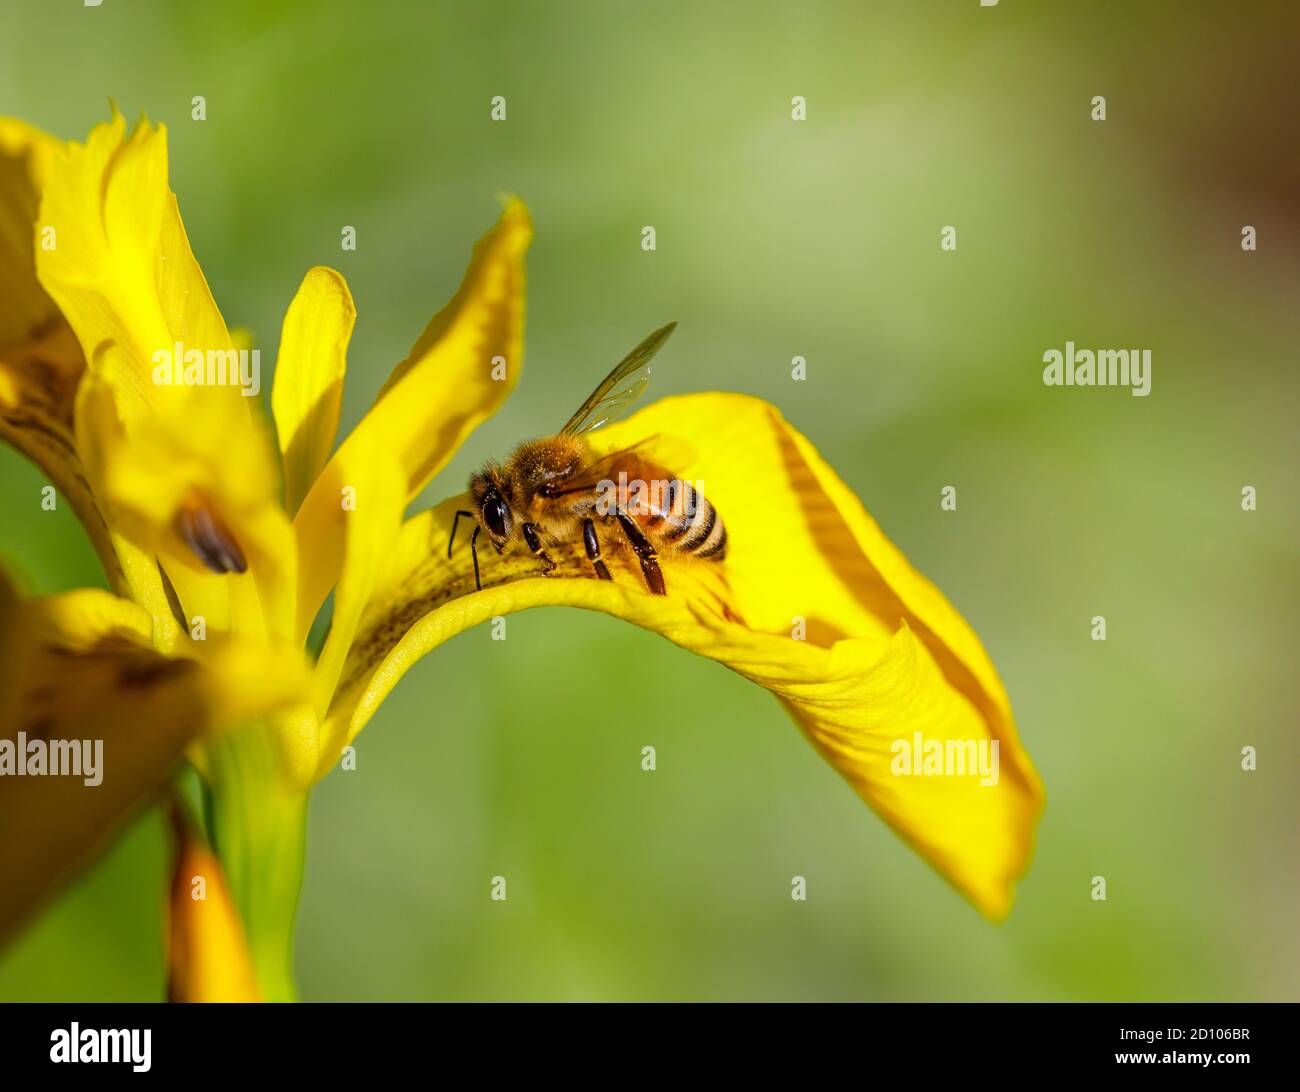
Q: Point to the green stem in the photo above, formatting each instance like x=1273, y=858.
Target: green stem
x=258, y=827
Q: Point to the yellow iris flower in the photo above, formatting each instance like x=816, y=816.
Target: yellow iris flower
x=212, y=525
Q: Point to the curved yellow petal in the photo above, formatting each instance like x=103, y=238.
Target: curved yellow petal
x=25, y=157
x=372, y=519
x=883, y=661
x=41, y=362
x=120, y=270
x=166, y=425
x=158, y=474
x=207, y=952
x=80, y=680
x=458, y=373
x=309, y=371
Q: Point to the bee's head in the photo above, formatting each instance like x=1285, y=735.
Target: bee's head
x=487, y=491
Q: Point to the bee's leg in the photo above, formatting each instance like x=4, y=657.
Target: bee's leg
x=645, y=552
x=473, y=549
x=535, y=544
x=455, y=520
x=592, y=543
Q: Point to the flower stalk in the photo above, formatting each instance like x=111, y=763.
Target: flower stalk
x=259, y=826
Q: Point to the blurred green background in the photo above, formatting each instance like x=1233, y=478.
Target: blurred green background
x=775, y=239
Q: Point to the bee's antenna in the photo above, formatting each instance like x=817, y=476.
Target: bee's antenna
x=455, y=521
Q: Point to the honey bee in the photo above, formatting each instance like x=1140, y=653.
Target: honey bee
x=551, y=492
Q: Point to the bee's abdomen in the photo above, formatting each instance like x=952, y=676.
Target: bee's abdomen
x=689, y=524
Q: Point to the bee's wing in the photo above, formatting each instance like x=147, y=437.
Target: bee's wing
x=621, y=387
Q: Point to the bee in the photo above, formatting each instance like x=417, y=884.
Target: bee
x=551, y=492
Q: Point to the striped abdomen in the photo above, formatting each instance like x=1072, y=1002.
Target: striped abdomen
x=677, y=518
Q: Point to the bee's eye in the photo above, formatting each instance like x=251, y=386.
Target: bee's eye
x=496, y=515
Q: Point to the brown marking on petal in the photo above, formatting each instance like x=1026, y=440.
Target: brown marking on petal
x=40, y=728
x=41, y=694
x=173, y=600
x=38, y=384
x=145, y=673
x=210, y=540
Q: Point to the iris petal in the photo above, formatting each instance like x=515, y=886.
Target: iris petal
x=812, y=602
x=81, y=669
x=458, y=373
x=309, y=377
x=41, y=362
x=125, y=279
